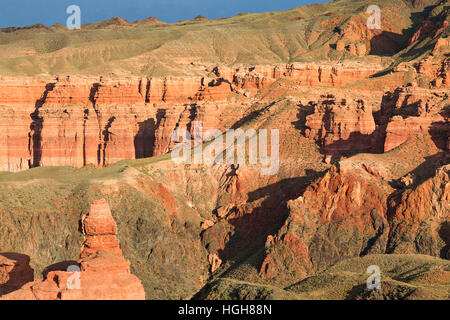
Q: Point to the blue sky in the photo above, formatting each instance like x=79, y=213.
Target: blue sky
x=27, y=12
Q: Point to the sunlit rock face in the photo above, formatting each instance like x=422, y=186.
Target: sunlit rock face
x=102, y=273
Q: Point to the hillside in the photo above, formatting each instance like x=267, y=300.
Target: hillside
x=333, y=31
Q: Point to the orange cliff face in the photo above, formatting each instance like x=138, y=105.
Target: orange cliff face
x=343, y=214
x=341, y=124
x=102, y=272
x=77, y=121
x=416, y=111
x=347, y=213
x=410, y=217
x=18, y=98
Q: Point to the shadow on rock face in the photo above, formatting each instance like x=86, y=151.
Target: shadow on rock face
x=444, y=233
x=15, y=271
x=60, y=266
x=440, y=132
x=387, y=43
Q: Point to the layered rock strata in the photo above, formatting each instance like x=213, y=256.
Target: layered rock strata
x=102, y=273
x=340, y=124
x=342, y=215
x=348, y=213
x=415, y=111
x=78, y=121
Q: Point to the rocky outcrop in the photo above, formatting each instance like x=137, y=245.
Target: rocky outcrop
x=309, y=74
x=340, y=124
x=340, y=216
x=79, y=121
x=411, y=111
x=354, y=37
x=15, y=271
x=215, y=262
x=420, y=218
x=428, y=28
x=343, y=125
x=100, y=230
x=437, y=72
x=102, y=273
x=350, y=212
x=431, y=71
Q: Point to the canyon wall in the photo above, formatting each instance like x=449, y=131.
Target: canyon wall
x=347, y=213
x=79, y=121
x=342, y=124
x=415, y=111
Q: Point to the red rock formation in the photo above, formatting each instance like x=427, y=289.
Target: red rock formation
x=214, y=261
x=341, y=124
x=434, y=71
x=399, y=130
x=77, y=121
x=103, y=273
x=428, y=28
x=100, y=230
x=17, y=101
x=341, y=215
x=15, y=271
x=442, y=46
x=354, y=36
x=413, y=110
x=307, y=74
x=420, y=219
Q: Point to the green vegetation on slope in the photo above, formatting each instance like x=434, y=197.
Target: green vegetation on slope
x=402, y=277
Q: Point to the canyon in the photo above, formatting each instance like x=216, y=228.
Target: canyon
x=363, y=121
x=86, y=121
x=78, y=121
